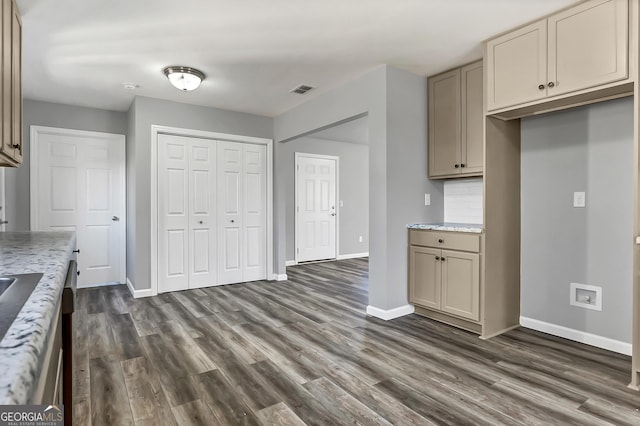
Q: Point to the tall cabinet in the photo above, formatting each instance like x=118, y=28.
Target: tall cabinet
x=11, y=149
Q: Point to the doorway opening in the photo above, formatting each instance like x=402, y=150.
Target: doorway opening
x=316, y=213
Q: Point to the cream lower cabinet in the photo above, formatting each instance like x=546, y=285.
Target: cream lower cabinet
x=444, y=275
x=580, y=48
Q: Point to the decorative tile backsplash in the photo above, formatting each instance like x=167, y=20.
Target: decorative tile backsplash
x=463, y=200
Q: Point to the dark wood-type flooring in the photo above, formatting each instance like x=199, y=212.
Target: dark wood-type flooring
x=304, y=352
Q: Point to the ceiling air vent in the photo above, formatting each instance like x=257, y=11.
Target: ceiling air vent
x=301, y=90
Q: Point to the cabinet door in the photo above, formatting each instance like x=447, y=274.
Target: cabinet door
x=472, y=118
x=424, y=276
x=444, y=123
x=461, y=284
x=517, y=66
x=6, y=145
x=16, y=88
x=588, y=46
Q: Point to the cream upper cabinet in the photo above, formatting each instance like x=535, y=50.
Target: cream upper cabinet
x=517, y=66
x=11, y=85
x=580, y=48
x=444, y=123
x=456, y=122
x=472, y=119
x=588, y=46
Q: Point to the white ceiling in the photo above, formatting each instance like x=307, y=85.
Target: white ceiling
x=253, y=52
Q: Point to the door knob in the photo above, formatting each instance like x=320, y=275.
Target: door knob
x=200, y=222
x=115, y=219
x=233, y=221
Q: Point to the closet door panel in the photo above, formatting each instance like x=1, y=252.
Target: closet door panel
x=202, y=220
x=173, y=218
x=254, y=214
x=230, y=223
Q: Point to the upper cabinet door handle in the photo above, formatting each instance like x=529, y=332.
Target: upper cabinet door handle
x=115, y=219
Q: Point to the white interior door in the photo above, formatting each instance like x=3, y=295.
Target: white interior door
x=78, y=184
x=186, y=213
x=316, y=211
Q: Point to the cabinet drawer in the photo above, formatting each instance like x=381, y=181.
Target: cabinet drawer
x=445, y=240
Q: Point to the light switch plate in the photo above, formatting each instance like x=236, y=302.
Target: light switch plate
x=579, y=199
x=341, y=203
x=427, y=199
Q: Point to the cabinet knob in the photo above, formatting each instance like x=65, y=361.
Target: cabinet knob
x=551, y=84
x=457, y=165
x=437, y=257
x=463, y=165
x=16, y=145
x=441, y=241
x=442, y=258
x=77, y=251
x=541, y=87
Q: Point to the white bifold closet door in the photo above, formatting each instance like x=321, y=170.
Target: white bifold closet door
x=186, y=213
x=241, y=212
x=211, y=212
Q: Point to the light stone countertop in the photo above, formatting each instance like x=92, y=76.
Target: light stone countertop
x=20, y=349
x=448, y=226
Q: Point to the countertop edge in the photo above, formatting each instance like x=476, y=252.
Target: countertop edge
x=21, y=348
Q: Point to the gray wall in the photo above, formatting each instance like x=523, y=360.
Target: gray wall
x=51, y=115
x=354, y=190
x=584, y=149
x=149, y=111
x=396, y=104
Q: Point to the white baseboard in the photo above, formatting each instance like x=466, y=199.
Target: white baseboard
x=291, y=263
x=278, y=277
x=577, y=335
x=99, y=285
x=390, y=314
x=137, y=294
x=352, y=256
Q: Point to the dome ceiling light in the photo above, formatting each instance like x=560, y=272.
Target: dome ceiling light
x=184, y=78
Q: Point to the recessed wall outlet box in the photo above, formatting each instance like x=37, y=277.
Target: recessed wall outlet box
x=586, y=296
x=360, y=238
x=579, y=199
x=341, y=203
x=427, y=199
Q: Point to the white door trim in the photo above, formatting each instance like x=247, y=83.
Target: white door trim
x=176, y=131
x=34, y=169
x=297, y=155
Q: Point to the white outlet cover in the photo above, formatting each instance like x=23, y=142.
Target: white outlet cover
x=579, y=199
x=427, y=199
x=341, y=203
x=573, y=296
